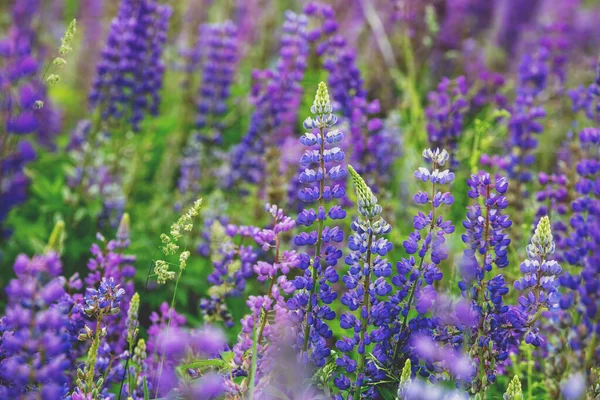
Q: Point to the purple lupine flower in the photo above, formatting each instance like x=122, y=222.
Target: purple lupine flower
x=415, y=278
x=373, y=144
x=367, y=285
x=175, y=345
x=523, y=125
x=485, y=228
x=21, y=87
x=554, y=199
x=581, y=249
x=129, y=76
x=447, y=357
x=464, y=17
x=587, y=99
x=217, y=54
x=321, y=161
x=515, y=17
x=445, y=114
x=14, y=183
x=21, y=91
x=218, y=50
x=487, y=243
x=109, y=262
x=166, y=319
x=93, y=173
x=539, y=285
x=270, y=319
x=489, y=85
x=277, y=96
x=233, y=265
x=34, y=331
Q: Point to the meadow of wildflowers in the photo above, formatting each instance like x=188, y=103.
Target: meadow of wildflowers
x=298, y=200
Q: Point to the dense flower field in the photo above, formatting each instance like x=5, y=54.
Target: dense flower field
x=284, y=199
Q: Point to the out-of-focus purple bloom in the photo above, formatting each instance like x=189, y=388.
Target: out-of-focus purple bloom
x=445, y=113
x=574, y=387
x=20, y=93
x=129, y=76
x=215, y=55
x=233, y=265
x=35, y=340
x=277, y=95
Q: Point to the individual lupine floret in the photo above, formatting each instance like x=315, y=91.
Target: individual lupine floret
x=415, y=279
x=314, y=294
x=367, y=286
x=539, y=285
x=34, y=337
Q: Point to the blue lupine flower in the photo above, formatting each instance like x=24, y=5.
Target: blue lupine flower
x=366, y=286
x=488, y=336
x=314, y=292
x=413, y=281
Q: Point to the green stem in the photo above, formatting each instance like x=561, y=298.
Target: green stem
x=92, y=355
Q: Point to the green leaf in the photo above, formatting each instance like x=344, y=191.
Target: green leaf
x=217, y=363
x=387, y=393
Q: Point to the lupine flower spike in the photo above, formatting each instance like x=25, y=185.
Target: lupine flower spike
x=367, y=288
x=314, y=293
